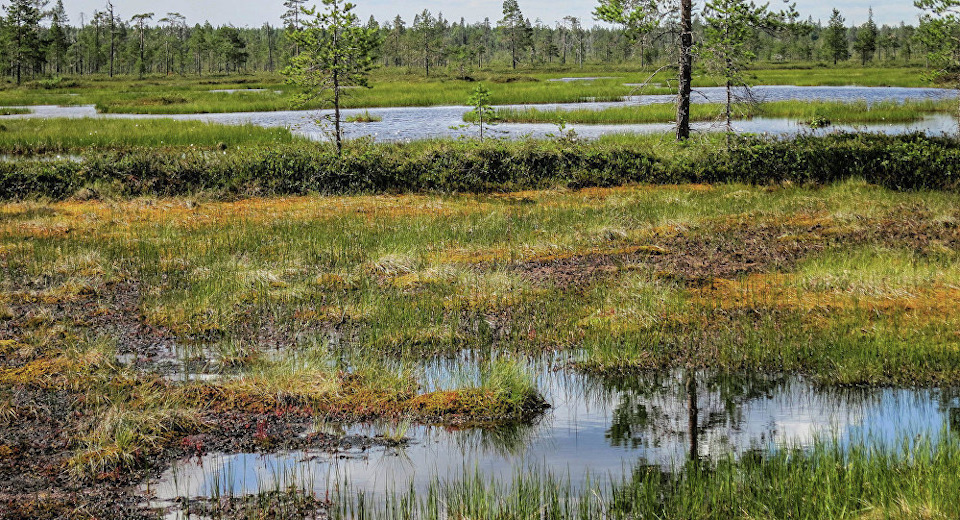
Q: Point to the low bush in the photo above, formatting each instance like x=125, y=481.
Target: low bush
x=897, y=162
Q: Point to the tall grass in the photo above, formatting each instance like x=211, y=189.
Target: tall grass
x=834, y=112
x=37, y=136
x=914, y=481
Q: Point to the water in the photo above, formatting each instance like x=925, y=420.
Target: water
x=237, y=90
x=573, y=80
x=415, y=123
x=596, y=428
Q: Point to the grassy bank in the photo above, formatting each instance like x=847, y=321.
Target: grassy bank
x=171, y=95
x=804, y=111
x=40, y=136
x=901, y=162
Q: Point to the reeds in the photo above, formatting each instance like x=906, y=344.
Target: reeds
x=915, y=480
x=804, y=111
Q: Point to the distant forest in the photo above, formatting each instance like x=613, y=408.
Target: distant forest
x=38, y=39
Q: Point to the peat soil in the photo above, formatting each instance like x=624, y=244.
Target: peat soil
x=731, y=248
x=40, y=426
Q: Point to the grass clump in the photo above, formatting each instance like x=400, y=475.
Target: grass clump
x=337, y=306
x=180, y=94
x=364, y=117
x=912, y=482
x=505, y=390
x=14, y=111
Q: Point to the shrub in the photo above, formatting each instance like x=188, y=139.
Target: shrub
x=897, y=162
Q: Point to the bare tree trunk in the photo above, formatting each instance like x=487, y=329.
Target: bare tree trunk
x=686, y=69
x=336, y=100
x=693, y=415
x=958, y=111
x=336, y=114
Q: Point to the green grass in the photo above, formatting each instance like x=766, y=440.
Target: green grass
x=404, y=284
x=13, y=111
x=912, y=482
x=844, y=74
x=35, y=136
x=330, y=307
x=365, y=117
x=833, y=112
x=171, y=95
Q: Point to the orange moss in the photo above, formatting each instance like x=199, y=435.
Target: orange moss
x=779, y=291
x=118, y=217
x=355, y=398
x=602, y=252
x=8, y=346
x=44, y=373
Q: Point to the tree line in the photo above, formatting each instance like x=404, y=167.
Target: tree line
x=37, y=38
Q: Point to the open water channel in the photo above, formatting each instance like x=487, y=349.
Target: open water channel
x=414, y=123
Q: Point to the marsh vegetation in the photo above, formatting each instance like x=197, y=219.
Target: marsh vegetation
x=241, y=321
x=184, y=325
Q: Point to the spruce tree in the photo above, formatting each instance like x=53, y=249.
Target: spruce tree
x=866, y=44
x=837, y=44
x=59, y=45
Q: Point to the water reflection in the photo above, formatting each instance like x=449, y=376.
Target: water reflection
x=598, y=428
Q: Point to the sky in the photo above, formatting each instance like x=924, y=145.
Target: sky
x=256, y=12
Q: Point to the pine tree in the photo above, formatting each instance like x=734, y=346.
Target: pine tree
x=394, y=44
x=292, y=19
x=516, y=29
x=112, y=26
x=336, y=53
x=21, y=30
x=729, y=26
x=140, y=20
x=198, y=42
x=641, y=17
x=939, y=32
x=425, y=26
x=482, y=114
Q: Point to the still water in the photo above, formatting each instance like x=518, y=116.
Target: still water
x=414, y=123
x=596, y=429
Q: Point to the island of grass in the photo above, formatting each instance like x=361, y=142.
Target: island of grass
x=269, y=92
x=814, y=113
